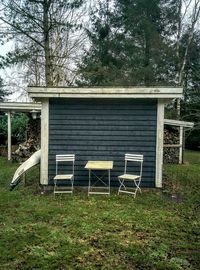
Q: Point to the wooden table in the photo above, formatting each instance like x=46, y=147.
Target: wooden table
x=99, y=166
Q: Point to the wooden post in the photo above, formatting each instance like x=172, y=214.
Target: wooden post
x=159, y=143
x=181, y=147
x=44, y=143
x=9, y=137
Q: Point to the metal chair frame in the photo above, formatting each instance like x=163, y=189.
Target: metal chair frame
x=136, y=179
x=63, y=177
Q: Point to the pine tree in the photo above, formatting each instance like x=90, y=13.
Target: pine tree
x=130, y=44
x=148, y=27
x=100, y=65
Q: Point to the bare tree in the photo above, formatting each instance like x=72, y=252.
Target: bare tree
x=47, y=35
x=189, y=14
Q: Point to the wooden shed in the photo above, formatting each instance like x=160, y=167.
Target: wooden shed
x=103, y=124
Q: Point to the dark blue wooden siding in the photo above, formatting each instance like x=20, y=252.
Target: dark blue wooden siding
x=103, y=129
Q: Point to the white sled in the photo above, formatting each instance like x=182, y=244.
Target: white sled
x=29, y=163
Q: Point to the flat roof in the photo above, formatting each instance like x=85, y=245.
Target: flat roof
x=105, y=92
x=20, y=106
x=178, y=123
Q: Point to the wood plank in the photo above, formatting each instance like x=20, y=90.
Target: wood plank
x=172, y=145
x=104, y=143
x=72, y=147
x=103, y=122
x=100, y=111
x=98, y=138
x=89, y=128
x=105, y=117
x=133, y=134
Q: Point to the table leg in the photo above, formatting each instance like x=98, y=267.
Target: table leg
x=109, y=180
x=89, y=182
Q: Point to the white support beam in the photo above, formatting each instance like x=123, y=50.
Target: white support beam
x=9, y=136
x=44, y=142
x=20, y=106
x=181, y=147
x=178, y=123
x=159, y=143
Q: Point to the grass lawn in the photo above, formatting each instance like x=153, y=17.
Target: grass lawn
x=152, y=231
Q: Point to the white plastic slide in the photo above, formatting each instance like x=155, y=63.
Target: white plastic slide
x=29, y=163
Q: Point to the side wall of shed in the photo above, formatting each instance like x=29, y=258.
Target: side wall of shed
x=103, y=129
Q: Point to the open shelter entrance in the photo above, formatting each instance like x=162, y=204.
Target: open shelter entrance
x=11, y=107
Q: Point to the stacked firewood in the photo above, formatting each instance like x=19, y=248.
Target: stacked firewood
x=171, y=154
x=25, y=150
x=32, y=144
x=33, y=130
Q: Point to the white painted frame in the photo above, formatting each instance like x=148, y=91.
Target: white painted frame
x=44, y=142
x=159, y=142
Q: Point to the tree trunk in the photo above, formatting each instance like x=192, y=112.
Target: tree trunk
x=182, y=61
x=147, y=75
x=46, y=29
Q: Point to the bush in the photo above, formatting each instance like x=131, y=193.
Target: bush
x=19, y=124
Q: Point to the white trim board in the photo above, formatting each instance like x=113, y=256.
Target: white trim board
x=20, y=106
x=105, y=92
x=159, y=143
x=178, y=123
x=44, y=142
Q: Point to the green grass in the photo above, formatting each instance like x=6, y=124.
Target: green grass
x=193, y=157
x=117, y=232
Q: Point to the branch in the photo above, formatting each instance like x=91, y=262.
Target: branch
x=195, y=16
x=24, y=13
x=186, y=8
x=21, y=31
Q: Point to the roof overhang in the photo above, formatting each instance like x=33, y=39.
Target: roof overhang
x=20, y=106
x=105, y=92
x=178, y=123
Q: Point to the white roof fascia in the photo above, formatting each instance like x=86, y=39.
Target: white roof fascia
x=105, y=92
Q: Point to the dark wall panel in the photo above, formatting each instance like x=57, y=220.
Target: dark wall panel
x=103, y=129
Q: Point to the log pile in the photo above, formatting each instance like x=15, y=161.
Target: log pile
x=32, y=144
x=33, y=130
x=171, y=154
x=25, y=150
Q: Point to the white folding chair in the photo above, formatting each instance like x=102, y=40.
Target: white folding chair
x=135, y=178
x=60, y=180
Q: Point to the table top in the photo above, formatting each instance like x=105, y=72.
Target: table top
x=99, y=165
